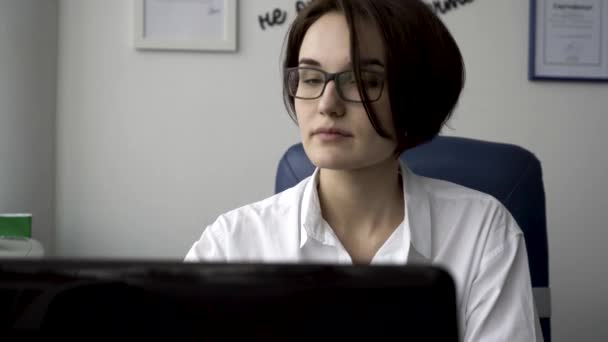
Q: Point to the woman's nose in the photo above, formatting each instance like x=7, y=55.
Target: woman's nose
x=330, y=102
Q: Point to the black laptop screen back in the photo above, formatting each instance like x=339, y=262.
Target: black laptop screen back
x=229, y=301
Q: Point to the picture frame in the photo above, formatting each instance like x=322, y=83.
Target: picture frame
x=568, y=40
x=188, y=25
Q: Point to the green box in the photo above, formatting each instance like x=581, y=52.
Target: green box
x=16, y=225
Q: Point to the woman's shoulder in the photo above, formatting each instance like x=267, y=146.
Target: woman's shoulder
x=269, y=212
x=453, y=201
x=468, y=222
x=443, y=190
x=262, y=230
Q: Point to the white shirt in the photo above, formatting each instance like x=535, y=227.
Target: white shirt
x=469, y=233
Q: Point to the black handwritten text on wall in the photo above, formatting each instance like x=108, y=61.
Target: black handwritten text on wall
x=278, y=17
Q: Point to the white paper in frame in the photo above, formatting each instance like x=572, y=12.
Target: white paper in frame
x=195, y=25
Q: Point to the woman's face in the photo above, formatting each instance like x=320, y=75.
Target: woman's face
x=326, y=46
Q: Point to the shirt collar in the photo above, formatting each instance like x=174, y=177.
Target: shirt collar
x=417, y=214
x=311, y=218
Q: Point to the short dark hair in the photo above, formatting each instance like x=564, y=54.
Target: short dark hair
x=424, y=68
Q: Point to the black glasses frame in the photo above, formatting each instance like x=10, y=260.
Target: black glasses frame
x=330, y=77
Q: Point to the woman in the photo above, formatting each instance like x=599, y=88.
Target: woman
x=365, y=80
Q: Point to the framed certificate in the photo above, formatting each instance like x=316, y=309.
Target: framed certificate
x=206, y=25
x=569, y=40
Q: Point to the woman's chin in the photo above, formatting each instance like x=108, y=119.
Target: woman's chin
x=344, y=161
x=333, y=159
x=332, y=162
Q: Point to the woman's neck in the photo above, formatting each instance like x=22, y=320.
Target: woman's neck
x=363, y=202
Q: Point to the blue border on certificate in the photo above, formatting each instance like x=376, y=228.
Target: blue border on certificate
x=532, y=72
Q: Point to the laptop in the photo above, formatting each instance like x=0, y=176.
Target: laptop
x=222, y=301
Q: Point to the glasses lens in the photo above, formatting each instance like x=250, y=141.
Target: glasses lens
x=305, y=83
x=371, y=82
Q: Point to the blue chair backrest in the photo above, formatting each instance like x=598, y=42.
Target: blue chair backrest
x=510, y=173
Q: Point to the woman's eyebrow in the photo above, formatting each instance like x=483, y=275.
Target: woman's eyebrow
x=363, y=62
x=309, y=61
x=370, y=61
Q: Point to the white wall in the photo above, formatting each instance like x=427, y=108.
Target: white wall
x=152, y=146
x=28, y=60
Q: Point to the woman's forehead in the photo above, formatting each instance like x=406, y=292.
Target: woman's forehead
x=328, y=41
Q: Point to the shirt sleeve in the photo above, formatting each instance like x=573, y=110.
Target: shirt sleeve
x=209, y=248
x=501, y=305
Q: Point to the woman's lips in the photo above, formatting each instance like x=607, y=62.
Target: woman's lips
x=331, y=134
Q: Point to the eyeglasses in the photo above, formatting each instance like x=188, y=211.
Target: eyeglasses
x=309, y=83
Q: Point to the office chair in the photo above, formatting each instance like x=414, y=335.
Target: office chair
x=510, y=173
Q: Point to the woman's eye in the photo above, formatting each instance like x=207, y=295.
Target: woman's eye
x=371, y=83
x=312, y=81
